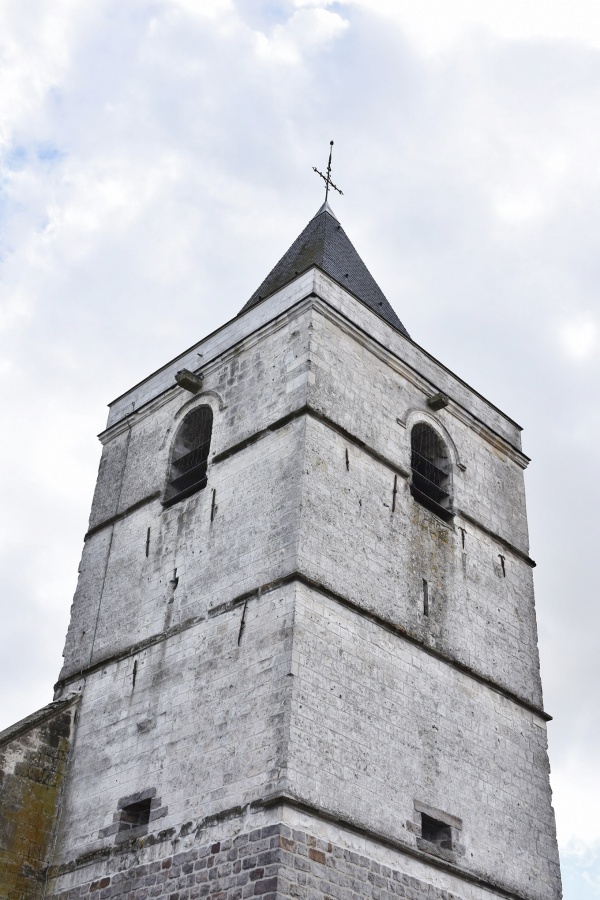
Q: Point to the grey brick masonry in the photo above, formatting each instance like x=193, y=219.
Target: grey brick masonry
x=273, y=862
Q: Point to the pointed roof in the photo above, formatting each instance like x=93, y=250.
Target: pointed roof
x=325, y=244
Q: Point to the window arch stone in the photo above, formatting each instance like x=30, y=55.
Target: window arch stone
x=189, y=455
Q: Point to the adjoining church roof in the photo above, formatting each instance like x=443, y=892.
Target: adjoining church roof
x=325, y=244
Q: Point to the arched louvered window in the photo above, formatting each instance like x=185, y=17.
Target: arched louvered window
x=190, y=455
x=431, y=471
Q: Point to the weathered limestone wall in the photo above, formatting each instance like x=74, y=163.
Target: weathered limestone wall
x=354, y=543
x=358, y=390
x=320, y=704
x=237, y=533
x=33, y=760
x=376, y=398
x=197, y=718
x=257, y=380
x=125, y=597
x=378, y=724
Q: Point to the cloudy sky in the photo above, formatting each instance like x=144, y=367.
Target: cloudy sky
x=156, y=161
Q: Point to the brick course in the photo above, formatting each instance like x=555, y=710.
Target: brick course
x=273, y=862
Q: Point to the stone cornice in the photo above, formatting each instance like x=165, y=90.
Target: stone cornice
x=311, y=584
x=422, y=383
x=278, y=800
x=208, y=368
x=285, y=798
x=307, y=410
x=365, y=339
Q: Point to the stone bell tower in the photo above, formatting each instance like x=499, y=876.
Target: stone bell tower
x=302, y=656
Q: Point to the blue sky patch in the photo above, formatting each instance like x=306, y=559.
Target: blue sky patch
x=581, y=876
x=48, y=153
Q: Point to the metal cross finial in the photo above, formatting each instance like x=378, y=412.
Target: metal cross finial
x=327, y=178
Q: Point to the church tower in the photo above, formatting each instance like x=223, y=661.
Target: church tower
x=302, y=659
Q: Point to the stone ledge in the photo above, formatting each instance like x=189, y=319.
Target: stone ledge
x=338, y=598
x=274, y=861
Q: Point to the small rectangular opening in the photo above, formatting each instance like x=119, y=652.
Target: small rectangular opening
x=436, y=832
x=425, y=598
x=134, y=815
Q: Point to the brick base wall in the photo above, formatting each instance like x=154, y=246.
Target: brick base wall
x=272, y=862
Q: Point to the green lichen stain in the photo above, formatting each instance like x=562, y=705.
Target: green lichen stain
x=29, y=799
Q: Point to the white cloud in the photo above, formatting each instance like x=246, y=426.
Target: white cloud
x=306, y=31
x=320, y=4
x=36, y=43
x=434, y=25
x=106, y=197
x=574, y=782
x=578, y=337
x=15, y=309
x=517, y=208
x=531, y=183
x=209, y=10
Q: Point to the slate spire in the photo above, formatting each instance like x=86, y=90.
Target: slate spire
x=325, y=244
